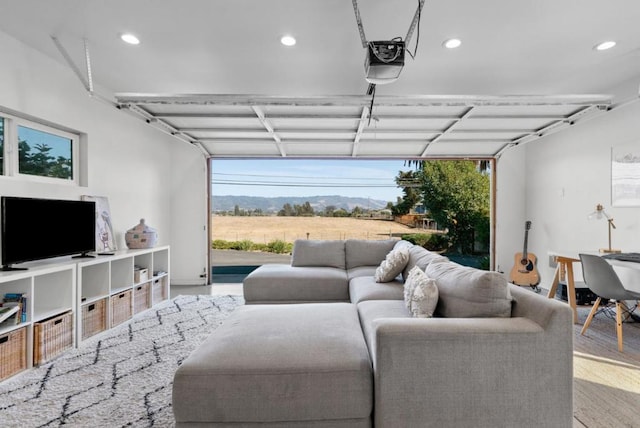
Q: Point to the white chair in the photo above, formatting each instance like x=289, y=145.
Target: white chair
x=602, y=280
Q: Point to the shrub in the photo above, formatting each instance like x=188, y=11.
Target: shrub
x=417, y=238
x=220, y=244
x=245, y=245
x=438, y=242
x=279, y=247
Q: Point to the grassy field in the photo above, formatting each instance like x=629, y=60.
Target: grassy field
x=288, y=229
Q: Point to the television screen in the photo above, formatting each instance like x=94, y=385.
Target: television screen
x=34, y=229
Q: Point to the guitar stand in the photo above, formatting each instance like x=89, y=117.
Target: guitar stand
x=535, y=288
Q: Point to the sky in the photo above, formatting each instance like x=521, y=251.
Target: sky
x=295, y=177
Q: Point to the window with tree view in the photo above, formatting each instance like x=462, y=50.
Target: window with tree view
x=44, y=154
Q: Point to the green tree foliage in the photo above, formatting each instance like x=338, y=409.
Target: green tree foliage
x=411, y=195
x=304, y=210
x=457, y=195
x=39, y=161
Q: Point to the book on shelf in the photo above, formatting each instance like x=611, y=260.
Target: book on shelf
x=7, y=311
x=20, y=300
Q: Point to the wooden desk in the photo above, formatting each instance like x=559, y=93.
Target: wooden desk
x=628, y=272
x=565, y=265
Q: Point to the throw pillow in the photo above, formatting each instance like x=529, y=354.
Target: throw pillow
x=392, y=265
x=410, y=283
x=424, y=299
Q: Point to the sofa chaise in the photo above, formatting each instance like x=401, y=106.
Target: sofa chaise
x=323, y=343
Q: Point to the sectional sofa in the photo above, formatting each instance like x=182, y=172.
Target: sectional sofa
x=322, y=342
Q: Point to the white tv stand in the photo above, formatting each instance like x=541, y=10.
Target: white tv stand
x=61, y=285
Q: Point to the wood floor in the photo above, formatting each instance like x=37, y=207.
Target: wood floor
x=606, y=382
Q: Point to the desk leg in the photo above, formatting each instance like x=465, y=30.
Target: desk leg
x=565, y=266
x=556, y=280
x=571, y=291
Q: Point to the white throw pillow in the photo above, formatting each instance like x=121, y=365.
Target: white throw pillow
x=410, y=283
x=392, y=265
x=424, y=298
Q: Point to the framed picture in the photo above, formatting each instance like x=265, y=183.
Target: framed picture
x=625, y=176
x=105, y=242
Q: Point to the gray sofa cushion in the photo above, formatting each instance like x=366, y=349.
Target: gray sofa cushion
x=309, y=252
x=273, y=364
x=466, y=292
x=372, y=310
x=421, y=257
x=361, y=271
x=366, y=288
x=280, y=283
x=361, y=252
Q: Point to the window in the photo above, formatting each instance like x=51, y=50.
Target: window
x=43, y=154
x=35, y=151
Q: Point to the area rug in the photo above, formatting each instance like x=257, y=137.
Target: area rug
x=120, y=378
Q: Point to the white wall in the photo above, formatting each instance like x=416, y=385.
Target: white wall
x=128, y=161
x=510, y=207
x=566, y=175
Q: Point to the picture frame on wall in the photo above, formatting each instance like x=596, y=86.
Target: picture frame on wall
x=625, y=176
x=105, y=240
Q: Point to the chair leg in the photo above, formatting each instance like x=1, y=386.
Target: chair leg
x=619, y=309
x=594, y=309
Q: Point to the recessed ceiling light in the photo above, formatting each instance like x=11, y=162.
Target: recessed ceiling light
x=288, y=40
x=130, y=38
x=452, y=43
x=605, y=45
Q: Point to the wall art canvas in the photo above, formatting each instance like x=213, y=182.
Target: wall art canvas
x=105, y=241
x=625, y=176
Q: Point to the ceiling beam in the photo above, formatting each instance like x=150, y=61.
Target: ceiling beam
x=353, y=117
x=362, y=100
x=448, y=130
x=356, y=140
x=359, y=133
x=269, y=128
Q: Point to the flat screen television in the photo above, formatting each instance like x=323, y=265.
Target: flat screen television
x=35, y=229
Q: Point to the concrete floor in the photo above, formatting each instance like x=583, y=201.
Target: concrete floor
x=213, y=290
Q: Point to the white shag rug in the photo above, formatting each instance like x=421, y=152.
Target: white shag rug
x=121, y=378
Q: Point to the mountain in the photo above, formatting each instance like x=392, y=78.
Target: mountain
x=275, y=204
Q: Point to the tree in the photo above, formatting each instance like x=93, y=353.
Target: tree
x=328, y=210
x=286, y=211
x=39, y=161
x=457, y=195
x=406, y=180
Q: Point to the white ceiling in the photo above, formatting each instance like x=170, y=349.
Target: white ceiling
x=520, y=59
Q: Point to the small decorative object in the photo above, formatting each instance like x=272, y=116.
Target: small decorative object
x=141, y=236
x=598, y=214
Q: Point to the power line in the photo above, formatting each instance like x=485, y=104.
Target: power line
x=302, y=176
x=274, y=184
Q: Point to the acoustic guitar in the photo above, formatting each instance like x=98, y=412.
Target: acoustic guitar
x=524, y=270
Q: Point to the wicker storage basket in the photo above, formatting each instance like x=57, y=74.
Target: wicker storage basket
x=159, y=290
x=52, y=337
x=13, y=352
x=141, y=297
x=94, y=318
x=120, y=307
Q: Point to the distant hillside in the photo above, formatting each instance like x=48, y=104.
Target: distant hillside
x=275, y=204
